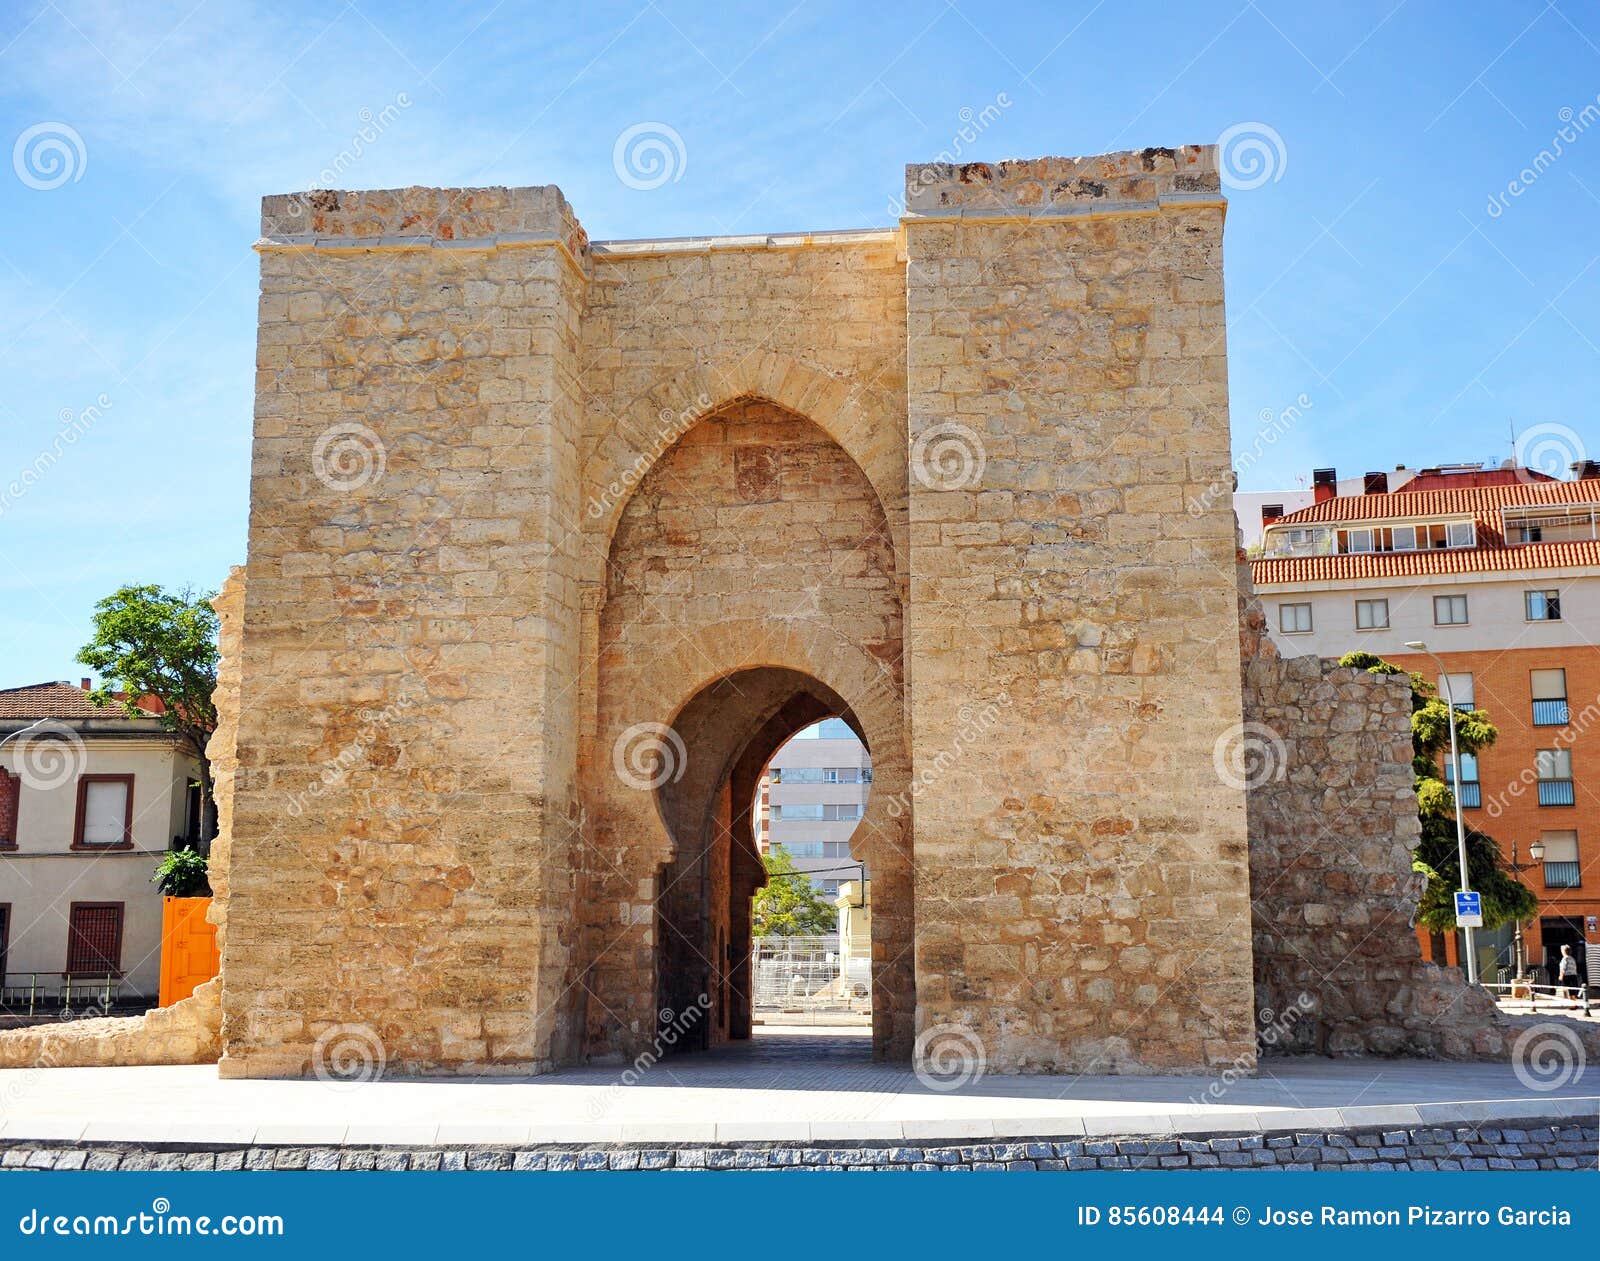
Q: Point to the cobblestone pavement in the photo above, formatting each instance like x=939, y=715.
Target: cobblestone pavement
x=1539, y=1146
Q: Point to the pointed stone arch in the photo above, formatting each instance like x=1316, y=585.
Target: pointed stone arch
x=859, y=417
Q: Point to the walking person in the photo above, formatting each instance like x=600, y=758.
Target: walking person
x=1567, y=971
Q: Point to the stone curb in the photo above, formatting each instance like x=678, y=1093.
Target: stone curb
x=1536, y=1144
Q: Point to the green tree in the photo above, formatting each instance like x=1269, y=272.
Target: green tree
x=150, y=642
x=1505, y=899
x=789, y=905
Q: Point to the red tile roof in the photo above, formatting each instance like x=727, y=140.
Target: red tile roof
x=1482, y=503
x=1462, y=560
x=52, y=700
x=1479, y=501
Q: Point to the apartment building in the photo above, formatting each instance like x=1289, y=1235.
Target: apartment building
x=90, y=800
x=814, y=793
x=1497, y=571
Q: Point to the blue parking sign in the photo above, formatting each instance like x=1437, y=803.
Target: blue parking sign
x=1469, y=910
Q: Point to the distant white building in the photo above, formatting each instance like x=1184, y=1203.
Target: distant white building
x=90, y=800
x=815, y=793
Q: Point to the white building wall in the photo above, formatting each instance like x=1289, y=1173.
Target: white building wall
x=1495, y=609
x=44, y=875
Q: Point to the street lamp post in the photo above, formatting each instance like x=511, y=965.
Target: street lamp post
x=1417, y=645
x=1535, y=857
x=37, y=722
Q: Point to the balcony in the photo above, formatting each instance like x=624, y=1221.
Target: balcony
x=1556, y=792
x=1550, y=713
x=1562, y=876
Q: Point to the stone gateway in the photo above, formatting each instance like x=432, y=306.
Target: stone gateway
x=554, y=543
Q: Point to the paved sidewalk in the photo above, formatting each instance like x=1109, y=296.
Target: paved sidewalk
x=796, y=1086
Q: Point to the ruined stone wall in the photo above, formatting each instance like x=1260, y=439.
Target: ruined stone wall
x=222, y=749
x=185, y=1033
x=1326, y=754
x=1082, y=892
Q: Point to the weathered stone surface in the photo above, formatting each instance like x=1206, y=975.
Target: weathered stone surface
x=553, y=544
x=185, y=1033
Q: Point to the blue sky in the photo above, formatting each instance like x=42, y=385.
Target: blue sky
x=1367, y=274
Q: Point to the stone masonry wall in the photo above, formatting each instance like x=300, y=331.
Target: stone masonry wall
x=1082, y=891
x=185, y=1033
x=398, y=878
x=1333, y=823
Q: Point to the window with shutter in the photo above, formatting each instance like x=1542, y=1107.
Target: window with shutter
x=94, y=938
x=105, y=812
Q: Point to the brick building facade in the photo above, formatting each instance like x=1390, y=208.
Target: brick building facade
x=1500, y=577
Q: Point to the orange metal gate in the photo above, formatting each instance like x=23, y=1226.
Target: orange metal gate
x=188, y=947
